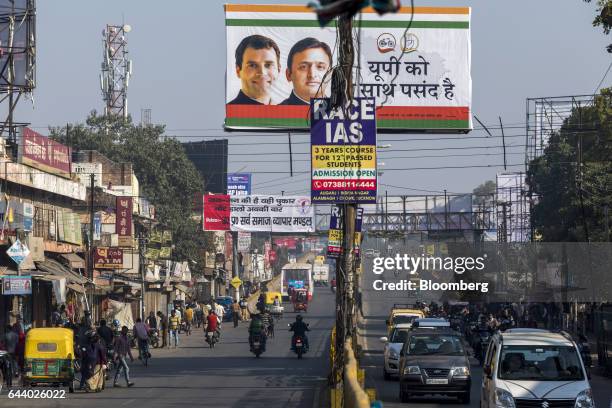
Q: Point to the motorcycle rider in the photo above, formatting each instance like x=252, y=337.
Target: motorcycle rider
x=299, y=329
x=106, y=334
x=257, y=328
x=212, y=323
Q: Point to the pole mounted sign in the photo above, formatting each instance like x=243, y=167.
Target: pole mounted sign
x=343, y=155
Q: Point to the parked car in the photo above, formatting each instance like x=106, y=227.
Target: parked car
x=434, y=362
x=534, y=368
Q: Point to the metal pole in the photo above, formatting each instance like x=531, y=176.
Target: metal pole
x=91, y=232
x=235, y=265
x=141, y=263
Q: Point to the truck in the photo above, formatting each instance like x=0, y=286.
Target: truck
x=320, y=274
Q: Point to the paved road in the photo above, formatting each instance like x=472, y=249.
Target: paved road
x=377, y=305
x=228, y=376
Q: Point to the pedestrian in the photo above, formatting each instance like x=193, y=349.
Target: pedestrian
x=199, y=313
x=244, y=309
x=235, y=312
x=10, y=341
x=151, y=321
x=163, y=325
x=141, y=334
x=122, y=350
x=174, y=322
x=188, y=320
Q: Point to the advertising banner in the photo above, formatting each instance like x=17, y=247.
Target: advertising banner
x=239, y=184
x=335, y=233
x=420, y=77
x=264, y=213
x=343, y=152
x=39, y=151
x=18, y=252
x=17, y=285
x=216, y=212
x=123, y=221
x=108, y=258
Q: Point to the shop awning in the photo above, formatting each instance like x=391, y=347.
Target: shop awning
x=74, y=261
x=187, y=290
x=7, y=270
x=76, y=288
x=53, y=267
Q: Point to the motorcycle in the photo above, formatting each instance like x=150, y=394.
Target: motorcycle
x=154, y=338
x=6, y=369
x=299, y=347
x=211, y=339
x=257, y=347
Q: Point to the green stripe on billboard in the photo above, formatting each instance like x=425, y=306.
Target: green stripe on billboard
x=235, y=22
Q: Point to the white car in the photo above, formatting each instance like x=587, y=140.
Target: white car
x=393, y=346
x=534, y=368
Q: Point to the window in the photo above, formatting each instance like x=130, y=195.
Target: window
x=399, y=336
x=46, y=347
x=540, y=363
x=434, y=344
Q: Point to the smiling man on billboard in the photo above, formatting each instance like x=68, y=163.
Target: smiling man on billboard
x=257, y=67
x=308, y=62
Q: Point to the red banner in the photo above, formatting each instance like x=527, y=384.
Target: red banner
x=108, y=258
x=216, y=214
x=45, y=154
x=290, y=243
x=123, y=222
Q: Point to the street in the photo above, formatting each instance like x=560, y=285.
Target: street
x=376, y=306
x=226, y=376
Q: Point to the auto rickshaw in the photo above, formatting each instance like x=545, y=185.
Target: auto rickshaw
x=275, y=310
x=49, y=357
x=299, y=298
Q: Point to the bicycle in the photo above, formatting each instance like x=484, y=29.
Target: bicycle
x=143, y=351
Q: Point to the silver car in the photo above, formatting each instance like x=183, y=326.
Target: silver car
x=393, y=347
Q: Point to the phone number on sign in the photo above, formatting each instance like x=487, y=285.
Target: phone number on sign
x=37, y=394
x=318, y=184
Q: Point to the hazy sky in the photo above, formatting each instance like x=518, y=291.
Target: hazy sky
x=520, y=49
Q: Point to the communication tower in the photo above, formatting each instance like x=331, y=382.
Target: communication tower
x=116, y=70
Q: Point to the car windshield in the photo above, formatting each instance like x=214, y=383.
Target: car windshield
x=399, y=336
x=399, y=319
x=541, y=363
x=434, y=344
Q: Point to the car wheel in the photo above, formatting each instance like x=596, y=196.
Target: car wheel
x=386, y=375
x=465, y=398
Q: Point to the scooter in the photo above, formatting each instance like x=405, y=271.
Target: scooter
x=154, y=338
x=257, y=347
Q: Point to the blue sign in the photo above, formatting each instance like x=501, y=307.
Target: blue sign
x=343, y=152
x=296, y=284
x=97, y=227
x=239, y=184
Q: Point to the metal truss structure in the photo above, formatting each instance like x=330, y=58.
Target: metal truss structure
x=116, y=71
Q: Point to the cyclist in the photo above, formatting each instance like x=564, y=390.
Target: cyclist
x=141, y=334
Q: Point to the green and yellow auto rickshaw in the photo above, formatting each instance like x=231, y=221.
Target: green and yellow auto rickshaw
x=49, y=358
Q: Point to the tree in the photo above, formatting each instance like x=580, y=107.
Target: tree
x=168, y=179
x=484, y=192
x=572, y=190
x=603, y=17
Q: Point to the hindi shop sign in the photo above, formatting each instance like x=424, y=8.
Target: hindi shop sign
x=239, y=184
x=259, y=213
x=123, y=221
x=343, y=152
x=17, y=285
x=36, y=150
x=420, y=77
x=108, y=258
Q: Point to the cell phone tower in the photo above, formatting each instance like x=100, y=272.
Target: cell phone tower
x=116, y=70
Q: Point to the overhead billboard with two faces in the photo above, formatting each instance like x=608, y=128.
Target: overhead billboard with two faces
x=415, y=63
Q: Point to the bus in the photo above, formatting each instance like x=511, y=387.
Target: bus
x=297, y=275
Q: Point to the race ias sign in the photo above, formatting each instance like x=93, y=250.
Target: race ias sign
x=343, y=152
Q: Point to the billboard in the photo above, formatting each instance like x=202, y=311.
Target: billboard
x=210, y=158
x=343, y=153
x=36, y=150
x=108, y=258
x=420, y=77
x=16, y=285
x=123, y=221
x=260, y=213
x=239, y=184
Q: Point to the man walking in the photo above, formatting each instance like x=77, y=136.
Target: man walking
x=122, y=350
x=243, y=307
x=174, y=322
x=163, y=325
x=235, y=312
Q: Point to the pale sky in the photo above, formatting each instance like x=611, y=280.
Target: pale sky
x=520, y=49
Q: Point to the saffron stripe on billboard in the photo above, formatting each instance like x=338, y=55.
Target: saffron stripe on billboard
x=299, y=112
x=382, y=123
x=369, y=10
x=236, y=22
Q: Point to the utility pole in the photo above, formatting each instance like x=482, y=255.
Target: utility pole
x=142, y=242
x=235, y=264
x=90, y=264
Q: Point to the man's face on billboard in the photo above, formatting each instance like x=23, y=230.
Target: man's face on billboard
x=258, y=71
x=307, y=71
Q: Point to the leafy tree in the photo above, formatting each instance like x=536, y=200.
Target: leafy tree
x=603, y=17
x=168, y=179
x=572, y=197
